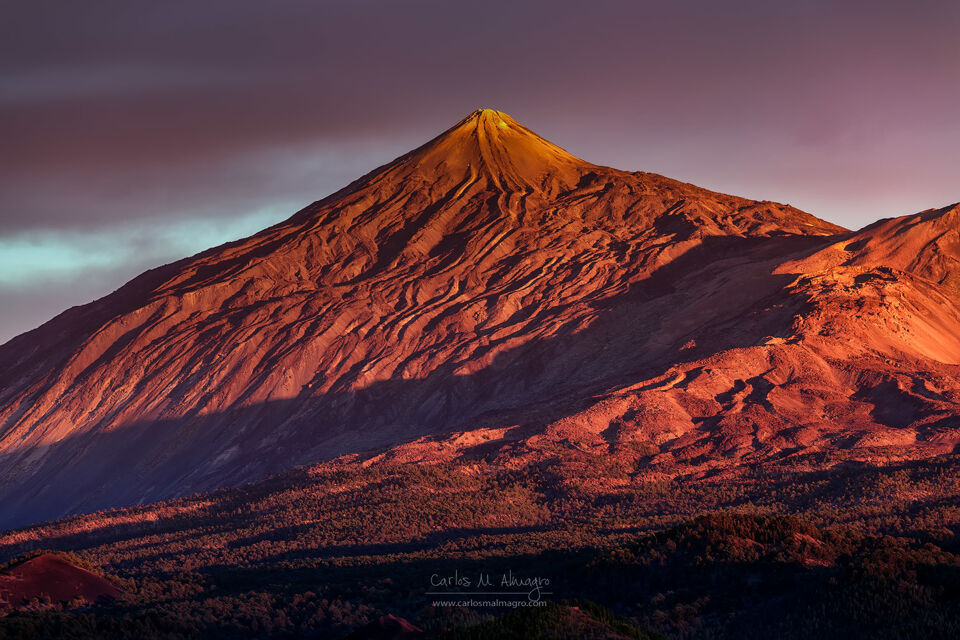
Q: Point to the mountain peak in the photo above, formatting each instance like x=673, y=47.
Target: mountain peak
x=499, y=118
x=489, y=121
x=490, y=148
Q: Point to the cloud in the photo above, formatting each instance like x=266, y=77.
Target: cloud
x=45, y=272
x=33, y=258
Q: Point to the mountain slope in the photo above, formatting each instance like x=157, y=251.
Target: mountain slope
x=486, y=293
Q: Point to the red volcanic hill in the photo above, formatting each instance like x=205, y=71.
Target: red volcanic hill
x=490, y=294
x=49, y=577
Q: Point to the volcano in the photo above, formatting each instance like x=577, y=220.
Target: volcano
x=489, y=294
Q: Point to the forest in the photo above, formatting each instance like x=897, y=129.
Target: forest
x=858, y=550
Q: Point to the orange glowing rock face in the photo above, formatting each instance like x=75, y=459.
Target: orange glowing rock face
x=490, y=294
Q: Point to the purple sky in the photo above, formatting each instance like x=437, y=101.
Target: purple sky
x=136, y=133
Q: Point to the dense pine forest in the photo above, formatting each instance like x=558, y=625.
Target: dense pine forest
x=859, y=550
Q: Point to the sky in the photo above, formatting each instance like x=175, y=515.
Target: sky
x=136, y=133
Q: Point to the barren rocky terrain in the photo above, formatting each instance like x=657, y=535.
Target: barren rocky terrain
x=490, y=297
